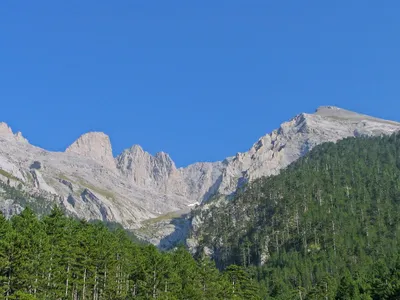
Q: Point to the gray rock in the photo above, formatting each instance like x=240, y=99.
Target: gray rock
x=96, y=146
x=8, y=208
x=137, y=186
x=295, y=138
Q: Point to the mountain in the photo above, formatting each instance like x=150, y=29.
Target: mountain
x=136, y=186
x=161, y=175
x=296, y=137
x=91, y=184
x=272, y=153
x=95, y=146
x=326, y=227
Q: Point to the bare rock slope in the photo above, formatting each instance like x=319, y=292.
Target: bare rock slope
x=296, y=137
x=135, y=186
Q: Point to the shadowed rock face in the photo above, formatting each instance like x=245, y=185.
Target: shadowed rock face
x=136, y=186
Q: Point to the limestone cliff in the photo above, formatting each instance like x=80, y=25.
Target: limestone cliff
x=137, y=186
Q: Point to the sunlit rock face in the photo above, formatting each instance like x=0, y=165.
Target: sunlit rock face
x=136, y=186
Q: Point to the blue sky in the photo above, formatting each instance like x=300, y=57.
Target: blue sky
x=200, y=80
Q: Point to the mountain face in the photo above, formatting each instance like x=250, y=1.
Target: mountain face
x=327, y=222
x=295, y=138
x=159, y=173
x=135, y=186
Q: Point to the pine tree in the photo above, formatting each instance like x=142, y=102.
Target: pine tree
x=6, y=256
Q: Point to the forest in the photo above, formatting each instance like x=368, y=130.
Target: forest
x=326, y=227
x=57, y=257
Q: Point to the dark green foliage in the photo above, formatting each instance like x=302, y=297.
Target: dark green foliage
x=242, y=286
x=327, y=227
x=57, y=257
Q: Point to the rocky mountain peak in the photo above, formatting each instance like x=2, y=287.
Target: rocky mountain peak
x=165, y=158
x=136, y=149
x=326, y=108
x=145, y=169
x=296, y=137
x=340, y=114
x=6, y=132
x=334, y=111
x=143, y=186
x=96, y=146
x=5, y=129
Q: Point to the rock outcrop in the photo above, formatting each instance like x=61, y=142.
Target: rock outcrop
x=196, y=182
x=8, y=208
x=41, y=184
x=7, y=133
x=96, y=146
x=5, y=130
x=145, y=170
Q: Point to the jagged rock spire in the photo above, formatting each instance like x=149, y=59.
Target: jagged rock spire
x=6, y=132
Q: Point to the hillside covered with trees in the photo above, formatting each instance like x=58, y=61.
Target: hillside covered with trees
x=57, y=257
x=327, y=227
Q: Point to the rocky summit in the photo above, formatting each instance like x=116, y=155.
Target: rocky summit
x=136, y=186
x=96, y=146
x=296, y=137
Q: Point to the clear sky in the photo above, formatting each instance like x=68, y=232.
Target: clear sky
x=200, y=80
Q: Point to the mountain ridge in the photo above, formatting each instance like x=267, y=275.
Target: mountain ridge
x=134, y=186
x=327, y=111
